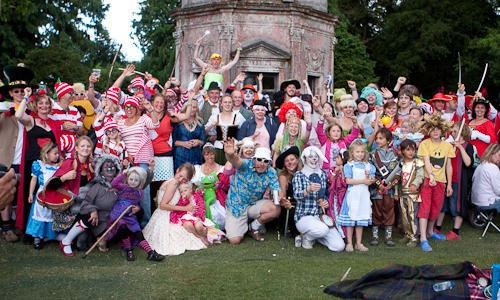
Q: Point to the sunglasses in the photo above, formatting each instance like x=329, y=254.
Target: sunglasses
x=18, y=91
x=113, y=130
x=259, y=159
x=79, y=94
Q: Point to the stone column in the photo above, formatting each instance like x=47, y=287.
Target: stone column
x=178, y=34
x=226, y=32
x=297, y=66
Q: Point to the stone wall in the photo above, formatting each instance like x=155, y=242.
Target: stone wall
x=290, y=40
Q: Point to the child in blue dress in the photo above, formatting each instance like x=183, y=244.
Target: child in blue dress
x=40, y=218
x=356, y=211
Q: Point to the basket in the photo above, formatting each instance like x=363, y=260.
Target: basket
x=58, y=200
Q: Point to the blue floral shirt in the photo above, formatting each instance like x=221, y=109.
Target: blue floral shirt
x=248, y=187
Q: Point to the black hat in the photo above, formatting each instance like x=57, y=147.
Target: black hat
x=17, y=77
x=280, y=161
x=286, y=83
x=261, y=103
x=249, y=80
x=362, y=100
x=213, y=86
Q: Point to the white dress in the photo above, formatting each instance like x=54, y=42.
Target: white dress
x=356, y=209
x=167, y=238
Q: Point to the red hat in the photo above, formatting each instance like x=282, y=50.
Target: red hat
x=131, y=100
x=469, y=100
x=67, y=142
x=112, y=95
x=110, y=125
x=285, y=107
x=249, y=87
x=138, y=82
x=62, y=88
x=440, y=97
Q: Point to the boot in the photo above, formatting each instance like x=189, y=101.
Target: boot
x=388, y=236
x=8, y=232
x=153, y=256
x=374, y=241
x=131, y=255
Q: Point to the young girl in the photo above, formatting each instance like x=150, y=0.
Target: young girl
x=412, y=176
x=193, y=216
x=408, y=129
x=338, y=188
x=291, y=137
x=356, y=208
x=112, y=142
x=40, y=219
x=463, y=169
x=332, y=141
x=388, y=172
x=130, y=193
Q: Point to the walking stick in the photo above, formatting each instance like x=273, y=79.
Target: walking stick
x=112, y=65
x=107, y=231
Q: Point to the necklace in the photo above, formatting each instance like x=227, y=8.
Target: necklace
x=191, y=125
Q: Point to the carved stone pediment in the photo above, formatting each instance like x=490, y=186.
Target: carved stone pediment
x=263, y=49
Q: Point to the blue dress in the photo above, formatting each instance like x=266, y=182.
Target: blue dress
x=40, y=218
x=181, y=154
x=356, y=209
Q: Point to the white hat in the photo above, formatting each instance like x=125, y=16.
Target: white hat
x=262, y=152
x=307, y=151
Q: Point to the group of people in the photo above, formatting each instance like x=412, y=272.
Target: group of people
x=181, y=167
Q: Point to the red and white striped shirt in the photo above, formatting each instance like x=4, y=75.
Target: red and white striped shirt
x=137, y=140
x=60, y=115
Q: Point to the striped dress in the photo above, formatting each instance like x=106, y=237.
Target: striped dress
x=137, y=139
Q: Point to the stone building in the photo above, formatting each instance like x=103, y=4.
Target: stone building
x=280, y=38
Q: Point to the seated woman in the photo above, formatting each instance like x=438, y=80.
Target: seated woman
x=206, y=177
x=485, y=187
x=168, y=238
x=97, y=205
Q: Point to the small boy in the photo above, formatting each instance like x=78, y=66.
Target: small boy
x=388, y=172
x=412, y=176
x=437, y=155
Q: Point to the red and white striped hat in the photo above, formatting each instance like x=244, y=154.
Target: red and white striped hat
x=62, y=88
x=68, y=142
x=138, y=82
x=131, y=100
x=110, y=125
x=112, y=95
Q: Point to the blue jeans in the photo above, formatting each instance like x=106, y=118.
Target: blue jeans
x=494, y=205
x=145, y=201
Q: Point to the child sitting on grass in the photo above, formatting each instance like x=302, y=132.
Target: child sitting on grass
x=194, y=214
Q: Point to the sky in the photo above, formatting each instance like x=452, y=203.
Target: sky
x=118, y=21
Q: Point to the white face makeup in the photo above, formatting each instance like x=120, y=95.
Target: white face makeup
x=133, y=180
x=248, y=95
x=312, y=160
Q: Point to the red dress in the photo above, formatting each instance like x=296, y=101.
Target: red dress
x=487, y=128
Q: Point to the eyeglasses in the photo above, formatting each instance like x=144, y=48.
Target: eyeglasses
x=129, y=106
x=260, y=159
x=113, y=130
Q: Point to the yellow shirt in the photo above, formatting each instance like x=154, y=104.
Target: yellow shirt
x=438, y=154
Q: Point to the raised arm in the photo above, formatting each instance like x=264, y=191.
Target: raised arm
x=196, y=58
x=231, y=155
x=91, y=92
x=234, y=61
x=129, y=71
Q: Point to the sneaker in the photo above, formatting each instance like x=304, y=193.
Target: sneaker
x=425, y=246
x=412, y=244
x=374, y=241
x=307, y=244
x=452, y=236
x=438, y=237
x=389, y=242
x=298, y=241
x=10, y=236
x=154, y=256
x=131, y=255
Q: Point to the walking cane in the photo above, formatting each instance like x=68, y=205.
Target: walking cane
x=107, y=231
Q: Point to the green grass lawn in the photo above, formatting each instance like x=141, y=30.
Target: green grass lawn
x=273, y=269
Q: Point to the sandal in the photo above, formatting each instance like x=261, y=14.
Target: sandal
x=257, y=236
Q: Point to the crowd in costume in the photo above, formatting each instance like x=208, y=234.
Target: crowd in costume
x=186, y=165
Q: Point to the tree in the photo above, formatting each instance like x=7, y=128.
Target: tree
x=69, y=26
x=154, y=31
x=351, y=58
x=421, y=39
